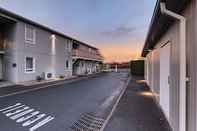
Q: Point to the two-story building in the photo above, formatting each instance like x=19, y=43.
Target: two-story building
x=29, y=50
x=86, y=59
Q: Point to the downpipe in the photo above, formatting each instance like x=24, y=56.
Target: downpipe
x=182, y=57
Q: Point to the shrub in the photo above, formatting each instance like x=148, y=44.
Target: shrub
x=61, y=76
x=39, y=78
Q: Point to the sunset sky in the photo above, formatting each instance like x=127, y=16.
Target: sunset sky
x=117, y=27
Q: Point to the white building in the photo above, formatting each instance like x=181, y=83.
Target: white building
x=86, y=59
x=171, y=65
x=29, y=50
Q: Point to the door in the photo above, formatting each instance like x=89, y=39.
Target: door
x=164, y=79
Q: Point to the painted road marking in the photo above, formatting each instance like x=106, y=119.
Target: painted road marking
x=12, y=109
x=26, y=116
x=21, y=114
x=16, y=111
x=17, y=104
x=29, y=122
x=43, y=122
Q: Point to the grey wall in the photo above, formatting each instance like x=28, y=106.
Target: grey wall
x=42, y=52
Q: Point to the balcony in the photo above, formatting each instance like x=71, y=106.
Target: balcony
x=82, y=54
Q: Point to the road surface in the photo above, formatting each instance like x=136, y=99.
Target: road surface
x=61, y=107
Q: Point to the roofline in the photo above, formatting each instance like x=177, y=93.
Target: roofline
x=150, y=25
x=165, y=23
x=21, y=18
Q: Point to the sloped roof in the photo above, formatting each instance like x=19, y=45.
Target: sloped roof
x=161, y=23
x=15, y=17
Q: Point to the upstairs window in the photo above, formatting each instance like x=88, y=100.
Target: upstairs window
x=67, y=64
x=29, y=64
x=30, y=35
x=90, y=50
x=68, y=45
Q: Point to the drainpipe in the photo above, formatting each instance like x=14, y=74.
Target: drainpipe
x=182, y=53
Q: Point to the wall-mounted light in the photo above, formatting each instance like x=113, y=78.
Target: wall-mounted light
x=53, y=39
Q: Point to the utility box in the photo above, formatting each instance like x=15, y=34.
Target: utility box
x=137, y=67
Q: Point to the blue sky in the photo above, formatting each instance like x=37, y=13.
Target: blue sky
x=117, y=27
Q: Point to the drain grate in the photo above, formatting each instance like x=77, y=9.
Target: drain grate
x=88, y=122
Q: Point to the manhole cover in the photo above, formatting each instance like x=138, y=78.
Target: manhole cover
x=88, y=122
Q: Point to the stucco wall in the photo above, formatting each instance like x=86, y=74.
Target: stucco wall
x=46, y=60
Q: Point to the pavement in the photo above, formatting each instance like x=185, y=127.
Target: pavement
x=137, y=111
x=80, y=104
x=21, y=88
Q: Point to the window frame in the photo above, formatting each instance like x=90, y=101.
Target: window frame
x=34, y=65
x=67, y=67
x=68, y=45
x=28, y=40
x=90, y=50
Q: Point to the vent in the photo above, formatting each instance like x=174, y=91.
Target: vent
x=48, y=75
x=88, y=122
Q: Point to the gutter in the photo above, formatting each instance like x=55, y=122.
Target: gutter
x=182, y=57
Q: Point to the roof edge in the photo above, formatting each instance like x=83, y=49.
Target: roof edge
x=149, y=30
x=26, y=20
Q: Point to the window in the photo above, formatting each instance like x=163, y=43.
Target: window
x=68, y=45
x=29, y=64
x=67, y=64
x=30, y=35
x=90, y=50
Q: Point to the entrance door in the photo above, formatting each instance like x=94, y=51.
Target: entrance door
x=164, y=79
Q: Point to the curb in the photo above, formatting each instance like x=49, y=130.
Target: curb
x=50, y=85
x=115, y=105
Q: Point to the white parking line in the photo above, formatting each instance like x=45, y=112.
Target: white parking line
x=22, y=113
x=17, y=104
x=22, y=119
x=29, y=122
x=40, y=124
x=12, y=109
x=17, y=111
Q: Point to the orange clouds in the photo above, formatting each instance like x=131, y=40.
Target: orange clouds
x=120, y=53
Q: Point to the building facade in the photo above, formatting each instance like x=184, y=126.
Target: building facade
x=29, y=50
x=86, y=59
x=170, y=51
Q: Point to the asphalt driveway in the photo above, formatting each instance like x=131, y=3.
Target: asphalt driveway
x=60, y=107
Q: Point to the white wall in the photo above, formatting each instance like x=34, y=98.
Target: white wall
x=45, y=59
x=165, y=79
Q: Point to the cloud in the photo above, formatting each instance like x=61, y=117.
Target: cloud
x=119, y=32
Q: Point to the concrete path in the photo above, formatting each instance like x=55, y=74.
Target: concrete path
x=137, y=111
